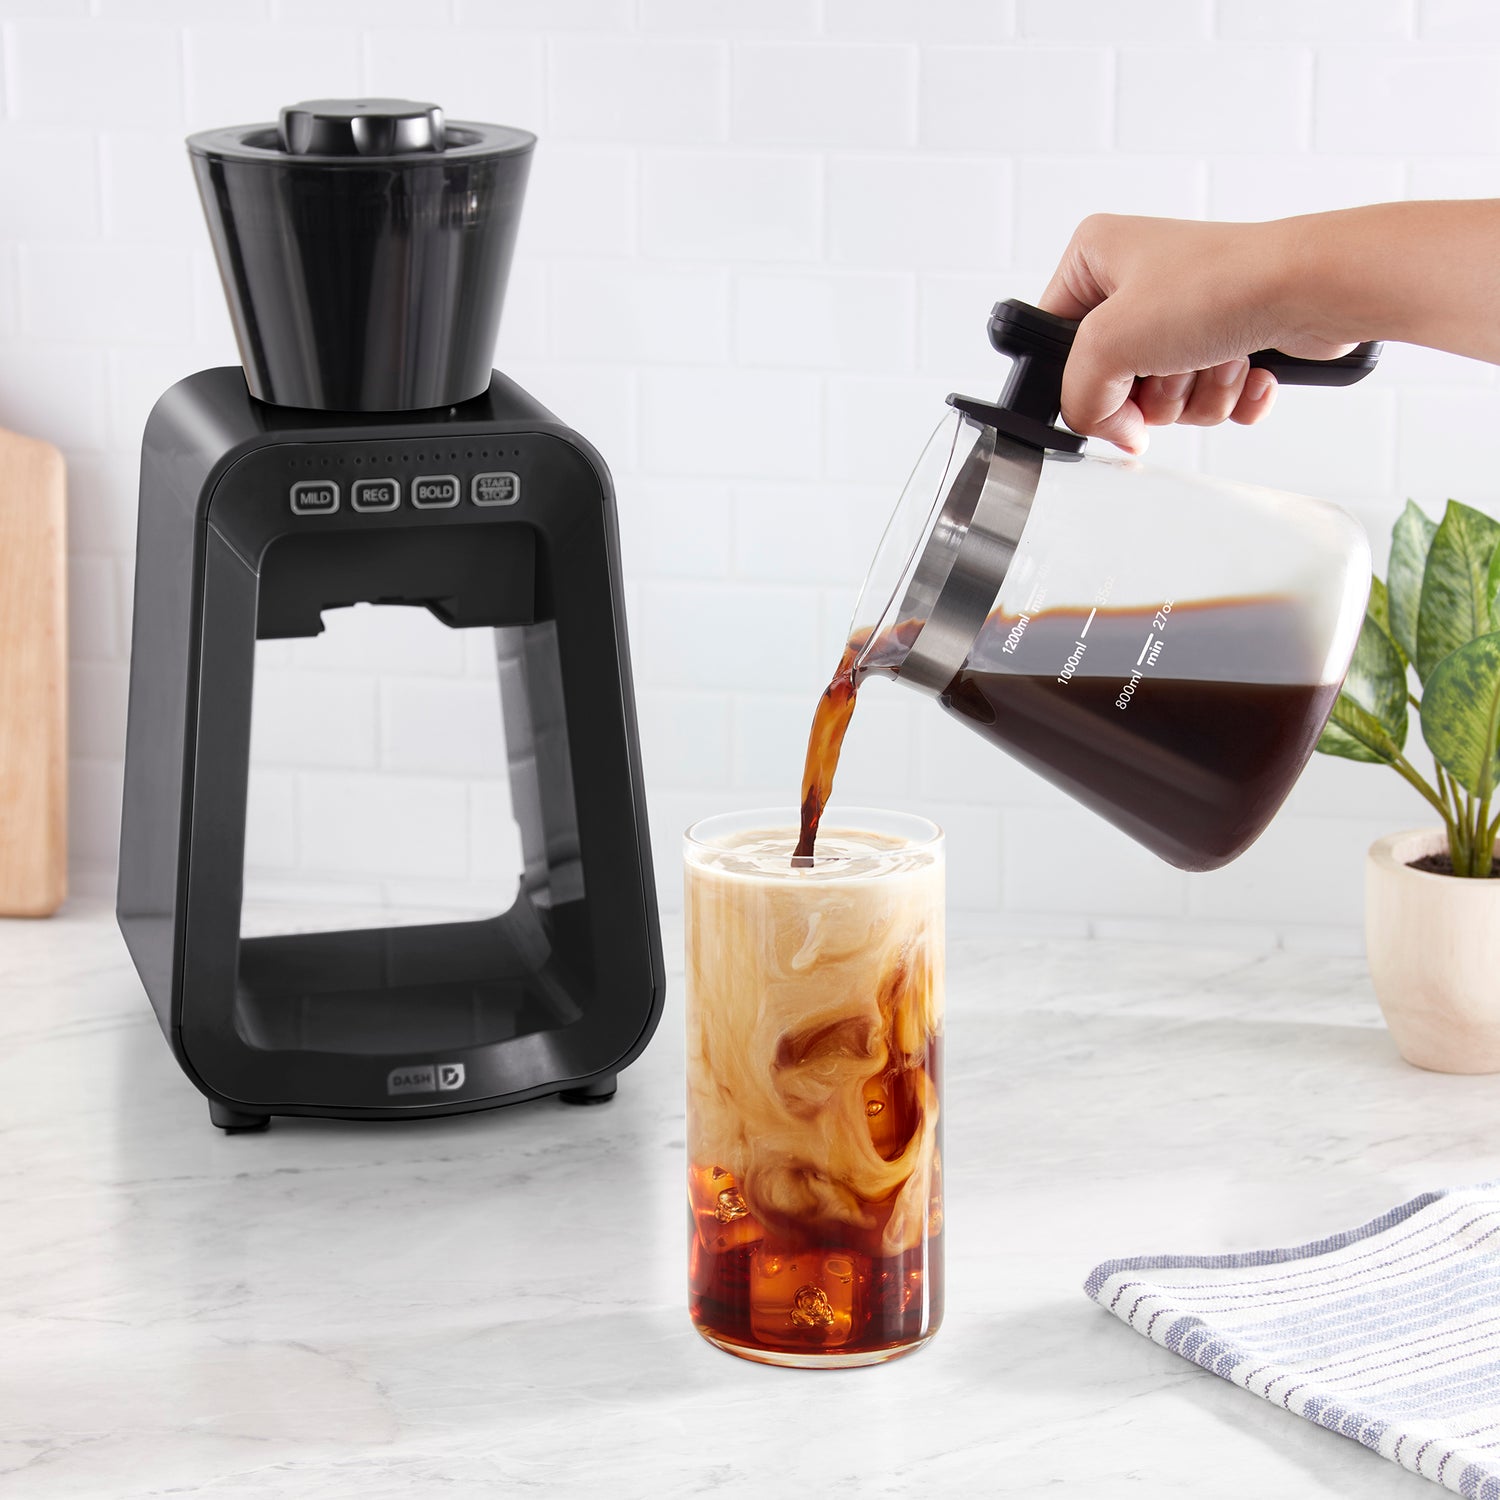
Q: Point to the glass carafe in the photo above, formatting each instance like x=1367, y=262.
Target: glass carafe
x=1164, y=647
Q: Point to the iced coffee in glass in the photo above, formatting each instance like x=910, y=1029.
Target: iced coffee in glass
x=814, y=1043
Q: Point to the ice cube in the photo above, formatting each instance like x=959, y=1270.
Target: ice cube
x=730, y=1205
x=720, y=1211
x=811, y=1308
x=895, y=1293
x=806, y=1298
x=717, y=1278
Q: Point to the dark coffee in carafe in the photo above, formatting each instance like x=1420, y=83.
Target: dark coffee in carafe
x=1162, y=721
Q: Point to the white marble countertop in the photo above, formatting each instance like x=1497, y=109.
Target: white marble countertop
x=494, y=1304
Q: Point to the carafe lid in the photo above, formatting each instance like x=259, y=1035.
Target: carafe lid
x=364, y=246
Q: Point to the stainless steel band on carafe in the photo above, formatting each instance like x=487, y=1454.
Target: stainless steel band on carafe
x=968, y=554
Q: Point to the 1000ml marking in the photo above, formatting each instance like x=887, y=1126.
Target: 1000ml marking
x=1150, y=654
x=1075, y=657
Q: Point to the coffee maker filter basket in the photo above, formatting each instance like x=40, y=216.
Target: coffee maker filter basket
x=364, y=247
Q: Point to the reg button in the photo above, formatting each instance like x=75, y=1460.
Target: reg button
x=434, y=491
x=495, y=489
x=375, y=494
x=315, y=497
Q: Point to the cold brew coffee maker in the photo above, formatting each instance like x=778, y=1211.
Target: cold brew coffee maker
x=368, y=453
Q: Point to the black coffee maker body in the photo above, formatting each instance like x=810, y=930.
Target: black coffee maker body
x=367, y=453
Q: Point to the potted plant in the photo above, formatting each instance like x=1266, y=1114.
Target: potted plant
x=1432, y=904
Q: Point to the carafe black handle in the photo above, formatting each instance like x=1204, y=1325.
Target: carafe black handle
x=1039, y=343
x=1344, y=370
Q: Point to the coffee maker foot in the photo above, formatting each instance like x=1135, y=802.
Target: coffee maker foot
x=601, y=1091
x=235, y=1121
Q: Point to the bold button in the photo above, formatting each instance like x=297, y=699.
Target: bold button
x=315, y=497
x=495, y=489
x=375, y=494
x=433, y=491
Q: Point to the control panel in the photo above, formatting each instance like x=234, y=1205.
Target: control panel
x=385, y=492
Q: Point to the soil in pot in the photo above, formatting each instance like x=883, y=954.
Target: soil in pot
x=1442, y=864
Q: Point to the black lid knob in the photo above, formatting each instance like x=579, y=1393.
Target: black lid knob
x=361, y=127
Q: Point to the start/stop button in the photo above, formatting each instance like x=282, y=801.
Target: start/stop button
x=495, y=489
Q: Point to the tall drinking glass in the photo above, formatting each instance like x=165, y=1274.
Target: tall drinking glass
x=814, y=1041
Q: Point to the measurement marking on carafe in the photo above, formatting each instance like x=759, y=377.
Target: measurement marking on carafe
x=1070, y=666
x=1087, y=623
x=1145, y=649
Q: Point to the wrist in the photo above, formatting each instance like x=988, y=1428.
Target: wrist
x=1330, y=275
x=1307, y=272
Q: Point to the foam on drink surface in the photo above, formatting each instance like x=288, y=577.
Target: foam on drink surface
x=843, y=854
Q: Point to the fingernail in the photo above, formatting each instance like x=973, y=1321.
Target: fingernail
x=1228, y=374
x=1175, y=387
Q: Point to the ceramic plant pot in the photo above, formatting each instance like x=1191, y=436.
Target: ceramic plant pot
x=1433, y=944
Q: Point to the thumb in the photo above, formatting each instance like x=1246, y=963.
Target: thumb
x=1097, y=386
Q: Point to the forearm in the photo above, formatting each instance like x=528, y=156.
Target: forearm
x=1170, y=308
x=1418, y=273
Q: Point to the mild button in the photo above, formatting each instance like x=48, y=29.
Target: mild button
x=434, y=491
x=495, y=489
x=315, y=497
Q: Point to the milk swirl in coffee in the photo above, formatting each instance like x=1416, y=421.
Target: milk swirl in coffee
x=814, y=1040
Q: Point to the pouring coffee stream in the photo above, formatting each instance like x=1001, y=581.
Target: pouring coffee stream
x=830, y=724
x=1164, y=648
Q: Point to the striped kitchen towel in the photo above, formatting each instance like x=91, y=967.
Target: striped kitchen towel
x=1389, y=1334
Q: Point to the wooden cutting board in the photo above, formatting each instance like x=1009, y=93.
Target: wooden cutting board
x=33, y=678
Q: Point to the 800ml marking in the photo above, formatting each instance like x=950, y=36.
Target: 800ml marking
x=1150, y=655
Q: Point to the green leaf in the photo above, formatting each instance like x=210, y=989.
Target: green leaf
x=1357, y=735
x=1336, y=741
x=1369, y=716
x=1455, y=605
x=1461, y=714
x=1378, y=608
x=1493, y=588
x=1410, y=538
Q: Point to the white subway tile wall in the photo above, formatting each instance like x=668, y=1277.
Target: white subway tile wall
x=759, y=246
